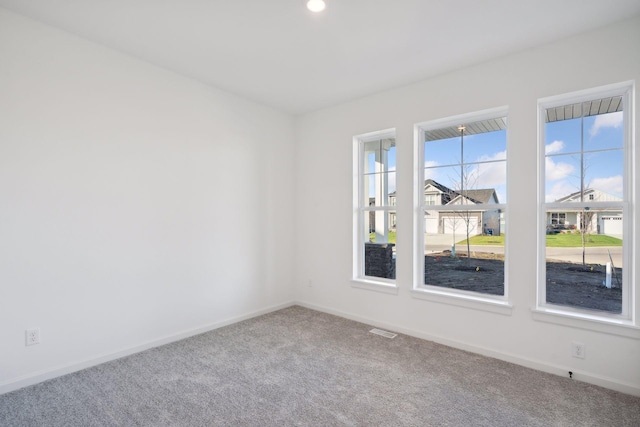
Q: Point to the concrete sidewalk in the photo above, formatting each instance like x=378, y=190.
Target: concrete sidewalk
x=594, y=255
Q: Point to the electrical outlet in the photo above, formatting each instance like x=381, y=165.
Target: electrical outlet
x=577, y=350
x=33, y=336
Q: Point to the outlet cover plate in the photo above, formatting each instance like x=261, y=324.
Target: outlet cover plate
x=33, y=336
x=577, y=350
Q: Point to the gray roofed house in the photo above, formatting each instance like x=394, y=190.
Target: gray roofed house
x=487, y=195
x=439, y=221
x=474, y=221
x=594, y=220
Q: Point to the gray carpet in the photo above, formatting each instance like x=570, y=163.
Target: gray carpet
x=299, y=367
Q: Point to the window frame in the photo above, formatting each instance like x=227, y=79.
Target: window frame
x=573, y=316
x=560, y=218
x=359, y=279
x=493, y=303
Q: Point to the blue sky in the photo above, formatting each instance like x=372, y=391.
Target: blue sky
x=489, y=148
x=486, y=153
x=603, y=170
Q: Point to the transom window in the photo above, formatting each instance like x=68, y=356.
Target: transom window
x=585, y=186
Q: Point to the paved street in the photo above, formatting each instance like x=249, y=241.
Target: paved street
x=594, y=255
x=597, y=255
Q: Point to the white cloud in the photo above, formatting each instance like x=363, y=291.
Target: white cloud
x=554, y=147
x=558, y=191
x=500, y=155
x=555, y=171
x=611, y=185
x=489, y=175
x=612, y=120
x=430, y=173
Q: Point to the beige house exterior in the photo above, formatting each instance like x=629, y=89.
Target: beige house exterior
x=590, y=220
x=480, y=221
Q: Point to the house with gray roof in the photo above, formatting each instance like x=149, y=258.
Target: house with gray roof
x=589, y=220
x=439, y=221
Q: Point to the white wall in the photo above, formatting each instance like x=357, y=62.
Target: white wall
x=136, y=206
x=323, y=196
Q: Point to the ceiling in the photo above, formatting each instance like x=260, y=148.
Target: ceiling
x=278, y=53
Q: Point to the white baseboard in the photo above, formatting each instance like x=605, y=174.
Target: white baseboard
x=48, y=374
x=518, y=360
x=41, y=376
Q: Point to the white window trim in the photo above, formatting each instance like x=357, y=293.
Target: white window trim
x=359, y=280
x=625, y=324
x=557, y=214
x=382, y=285
x=492, y=303
x=464, y=299
x=565, y=316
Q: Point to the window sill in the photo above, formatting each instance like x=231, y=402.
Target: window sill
x=589, y=322
x=463, y=300
x=373, y=285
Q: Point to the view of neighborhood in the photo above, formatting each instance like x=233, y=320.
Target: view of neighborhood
x=465, y=201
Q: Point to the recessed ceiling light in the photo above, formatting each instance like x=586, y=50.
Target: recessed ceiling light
x=316, y=5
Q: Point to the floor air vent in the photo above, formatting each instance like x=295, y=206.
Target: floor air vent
x=385, y=334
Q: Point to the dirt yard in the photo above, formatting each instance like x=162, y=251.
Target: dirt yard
x=568, y=284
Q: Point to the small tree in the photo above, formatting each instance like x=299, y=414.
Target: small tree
x=586, y=215
x=586, y=226
x=468, y=181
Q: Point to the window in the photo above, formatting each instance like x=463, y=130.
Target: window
x=375, y=207
x=462, y=168
x=585, y=202
x=558, y=218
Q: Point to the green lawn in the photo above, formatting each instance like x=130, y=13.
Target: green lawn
x=553, y=240
x=392, y=237
x=484, y=240
x=573, y=240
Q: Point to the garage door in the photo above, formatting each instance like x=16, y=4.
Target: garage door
x=459, y=225
x=431, y=225
x=611, y=225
